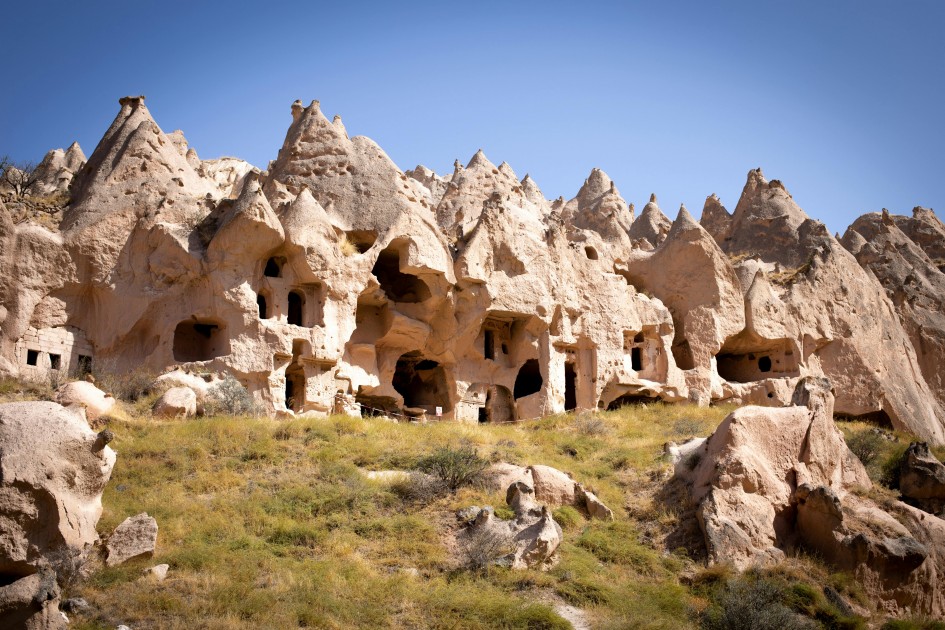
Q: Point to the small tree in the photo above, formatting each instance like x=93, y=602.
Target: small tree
x=18, y=177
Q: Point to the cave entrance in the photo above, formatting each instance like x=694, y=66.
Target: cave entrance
x=397, y=285
x=570, y=389
x=199, y=341
x=295, y=388
x=422, y=383
x=529, y=380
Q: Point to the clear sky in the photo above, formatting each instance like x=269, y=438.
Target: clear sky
x=842, y=100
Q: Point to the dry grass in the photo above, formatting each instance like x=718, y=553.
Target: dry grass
x=272, y=524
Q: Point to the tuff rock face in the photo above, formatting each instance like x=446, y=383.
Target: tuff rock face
x=53, y=469
x=772, y=480
x=334, y=281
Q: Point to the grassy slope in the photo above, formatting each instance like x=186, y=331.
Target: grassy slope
x=270, y=524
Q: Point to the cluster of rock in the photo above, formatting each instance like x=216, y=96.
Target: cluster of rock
x=771, y=481
x=53, y=469
x=533, y=536
x=334, y=281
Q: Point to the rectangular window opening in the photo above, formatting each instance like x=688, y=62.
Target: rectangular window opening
x=32, y=357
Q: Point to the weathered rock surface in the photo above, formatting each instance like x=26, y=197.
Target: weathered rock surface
x=922, y=479
x=529, y=540
x=769, y=481
x=177, y=402
x=549, y=486
x=53, y=469
x=86, y=395
x=334, y=281
x=135, y=536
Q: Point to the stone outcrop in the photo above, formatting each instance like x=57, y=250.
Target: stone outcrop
x=549, y=486
x=334, y=281
x=528, y=540
x=53, y=470
x=134, y=537
x=772, y=480
x=87, y=396
x=922, y=479
x=177, y=402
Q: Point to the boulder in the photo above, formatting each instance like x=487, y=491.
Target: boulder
x=552, y=487
x=177, y=402
x=135, y=536
x=32, y=603
x=96, y=402
x=922, y=478
x=501, y=475
x=52, y=474
x=772, y=480
x=595, y=507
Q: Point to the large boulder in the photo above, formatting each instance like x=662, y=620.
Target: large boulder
x=177, y=402
x=922, y=478
x=772, y=480
x=84, y=394
x=53, y=470
x=528, y=540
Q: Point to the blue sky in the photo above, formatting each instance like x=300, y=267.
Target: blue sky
x=842, y=100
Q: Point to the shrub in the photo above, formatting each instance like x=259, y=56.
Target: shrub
x=591, y=425
x=866, y=445
x=482, y=547
x=454, y=467
x=420, y=488
x=890, y=467
x=127, y=386
x=231, y=398
x=752, y=604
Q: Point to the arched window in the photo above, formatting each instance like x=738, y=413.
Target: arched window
x=296, y=307
x=263, y=306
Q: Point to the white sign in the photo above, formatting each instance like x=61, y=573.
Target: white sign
x=439, y=412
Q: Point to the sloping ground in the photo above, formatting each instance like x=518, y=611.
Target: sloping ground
x=269, y=524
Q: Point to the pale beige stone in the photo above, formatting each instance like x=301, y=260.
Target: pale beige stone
x=96, y=402
x=134, y=537
x=177, y=402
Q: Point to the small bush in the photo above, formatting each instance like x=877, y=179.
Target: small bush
x=591, y=425
x=420, y=488
x=127, y=386
x=229, y=397
x=890, y=467
x=866, y=445
x=752, y=604
x=481, y=548
x=454, y=467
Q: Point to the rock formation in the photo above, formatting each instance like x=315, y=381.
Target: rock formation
x=53, y=469
x=528, y=540
x=771, y=480
x=334, y=281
